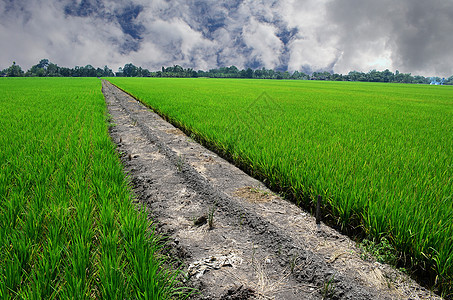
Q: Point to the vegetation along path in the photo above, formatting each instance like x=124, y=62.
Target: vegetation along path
x=236, y=239
x=68, y=225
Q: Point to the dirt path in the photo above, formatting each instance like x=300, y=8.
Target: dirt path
x=260, y=246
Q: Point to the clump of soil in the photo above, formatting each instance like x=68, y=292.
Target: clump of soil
x=253, y=194
x=238, y=293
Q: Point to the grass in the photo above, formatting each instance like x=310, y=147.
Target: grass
x=380, y=155
x=383, y=252
x=68, y=228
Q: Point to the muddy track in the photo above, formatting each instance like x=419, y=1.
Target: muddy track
x=236, y=238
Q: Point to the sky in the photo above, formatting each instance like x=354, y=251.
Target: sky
x=411, y=36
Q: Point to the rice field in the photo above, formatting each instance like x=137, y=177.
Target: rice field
x=68, y=228
x=381, y=155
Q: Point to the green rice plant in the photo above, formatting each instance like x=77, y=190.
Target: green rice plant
x=64, y=198
x=380, y=155
x=211, y=217
x=328, y=288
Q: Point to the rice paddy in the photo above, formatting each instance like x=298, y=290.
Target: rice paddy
x=381, y=155
x=68, y=226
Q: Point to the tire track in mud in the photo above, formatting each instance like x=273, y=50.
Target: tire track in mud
x=260, y=246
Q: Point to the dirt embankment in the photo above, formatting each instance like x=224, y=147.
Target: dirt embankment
x=236, y=238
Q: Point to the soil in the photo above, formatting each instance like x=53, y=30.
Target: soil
x=236, y=238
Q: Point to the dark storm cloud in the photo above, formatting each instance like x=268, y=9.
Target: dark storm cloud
x=416, y=34
x=311, y=35
x=84, y=8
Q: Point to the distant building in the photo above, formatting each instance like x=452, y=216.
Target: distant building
x=435, y=82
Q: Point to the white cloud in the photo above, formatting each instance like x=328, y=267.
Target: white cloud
x=372, y=55
x=314, y=47
x=266, y=46
x=66, y=40
x=309, y=54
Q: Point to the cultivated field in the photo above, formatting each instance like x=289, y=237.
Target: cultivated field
x=68, y=228
x=381, y=155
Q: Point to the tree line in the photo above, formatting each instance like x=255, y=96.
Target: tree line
x=45, y=68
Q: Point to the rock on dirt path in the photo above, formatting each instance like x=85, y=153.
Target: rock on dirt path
x=236, y=238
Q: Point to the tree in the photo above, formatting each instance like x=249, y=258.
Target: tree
x=14, y=71
x=321, y=75
x=233, y=70
x=52, y=70
x=43, y=63
x=296, y=75
x=420, y=80
x=249, y=73
x=88, y=71
x=108, y=72
x=336, y=77
x=146, y=73
x=357, y=76
x=449, y=80
x=99, y=72
x=402, y=78
x=374, y=76
x=120, y=72
x=36, y=71
x=130, y=70
x=66, y=72
x=387, y=75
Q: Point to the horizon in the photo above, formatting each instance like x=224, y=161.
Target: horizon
x=431, y=77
